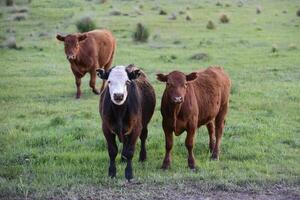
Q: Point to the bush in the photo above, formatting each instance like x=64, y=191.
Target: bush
x=85, y=24
x=274, y=48
x=258, y=9
x=200, y=56
x=162, y=12
x=224, y=18
x=141, y=33
x=10, y=2
x=210, y=25
x=298, y=13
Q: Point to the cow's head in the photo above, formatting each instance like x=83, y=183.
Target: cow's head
x=118, y=78
x=176, y=85
x=72, y=44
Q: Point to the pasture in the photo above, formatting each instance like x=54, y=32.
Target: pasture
x=52, y=146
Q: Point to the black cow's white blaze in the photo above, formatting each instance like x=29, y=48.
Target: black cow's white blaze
x=117, y=80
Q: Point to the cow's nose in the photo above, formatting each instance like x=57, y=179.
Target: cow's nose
x=118, y=96
x=71, y=57
x=177, y=99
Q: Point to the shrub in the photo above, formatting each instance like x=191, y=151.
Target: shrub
x=141, y=33
x=274, y=48
x=258, y=9
x=188, y=17
x=20, y=17
x=292, y=46
x=85, y=24
x=162, y=12
x=210, y=25
x=200, y=56
x=224, y=18
x=298, y=13
x=10, y=2
x=11, y=43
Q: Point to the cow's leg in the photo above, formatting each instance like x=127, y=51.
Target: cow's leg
x=189, y=143
x=112, y=151
x=125, y=141
x=129, y=151
x=219, y=123
x=143, y=137
x=168, y=145
x=78, y=83
x=93, y=82
x=211, y=131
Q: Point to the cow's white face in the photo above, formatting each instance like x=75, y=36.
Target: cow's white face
x=118, y=78
x=117, y=83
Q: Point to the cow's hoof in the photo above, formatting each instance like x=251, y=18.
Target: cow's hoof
x=128, y=174
x=77, y=96
x=143, y=157
x=97, y=92
x=112, y=171
x=214, y=157
x=192, y=167
x=165, y=166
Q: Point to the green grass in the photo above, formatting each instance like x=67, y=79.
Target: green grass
x=50, y=142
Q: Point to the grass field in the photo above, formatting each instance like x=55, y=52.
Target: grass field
x=52, y=145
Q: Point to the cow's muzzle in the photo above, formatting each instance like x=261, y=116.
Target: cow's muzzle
x=118, y=97
x=71, y=57
x=177, y=99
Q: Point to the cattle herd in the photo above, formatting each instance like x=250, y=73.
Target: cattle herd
x=127, y=99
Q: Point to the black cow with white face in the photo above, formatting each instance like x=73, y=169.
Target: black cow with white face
x=126, y=107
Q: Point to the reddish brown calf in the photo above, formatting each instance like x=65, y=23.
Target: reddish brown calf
x=87, y=52
x=189, y=101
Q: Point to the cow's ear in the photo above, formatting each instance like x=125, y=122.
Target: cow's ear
x=60, y=37
x=192, y=76
x=134, y=74
x=101, y=73
x=162, y=77
x=82, y=37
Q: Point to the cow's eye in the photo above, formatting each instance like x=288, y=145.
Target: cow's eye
x=108, y=82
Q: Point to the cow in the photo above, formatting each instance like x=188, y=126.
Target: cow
x=190, y=101
x=126, y=106
x=88, y=51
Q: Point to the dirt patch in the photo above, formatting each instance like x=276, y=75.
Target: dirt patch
x=183, y=190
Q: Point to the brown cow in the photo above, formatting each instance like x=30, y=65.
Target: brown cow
x=126, y=107
x=88, y=51
x=189, y=101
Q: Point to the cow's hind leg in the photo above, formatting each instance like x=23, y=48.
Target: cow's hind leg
x=219, y=127
x=143, y=137
x=189, y=143
x=93, y=82
x=211, y=131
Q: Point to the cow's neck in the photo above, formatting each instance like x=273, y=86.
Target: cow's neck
x=180, y=111
x=81, y=57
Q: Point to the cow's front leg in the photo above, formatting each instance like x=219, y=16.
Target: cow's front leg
x=129, y=151
x=78, y=83
x=168, y=145
x=112, y=151
x=189, y=143
x=93, y=82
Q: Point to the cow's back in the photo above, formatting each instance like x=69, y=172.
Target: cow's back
x=211, y=88
x=148, y=98
x=102, y=43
